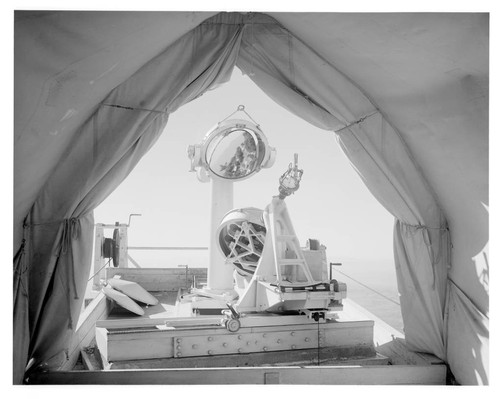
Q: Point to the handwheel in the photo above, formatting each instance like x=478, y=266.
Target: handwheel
x=233, y=325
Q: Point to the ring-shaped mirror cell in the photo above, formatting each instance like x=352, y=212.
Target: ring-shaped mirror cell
x=241, y=237
x=235, y=153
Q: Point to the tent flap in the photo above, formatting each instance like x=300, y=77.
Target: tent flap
x=377, y=152
x=467, y=338
x=99, y=157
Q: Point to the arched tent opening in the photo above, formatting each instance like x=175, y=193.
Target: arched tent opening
x=333, y=204
x=97, y=113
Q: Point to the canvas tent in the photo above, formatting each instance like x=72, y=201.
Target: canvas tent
x=406, y=94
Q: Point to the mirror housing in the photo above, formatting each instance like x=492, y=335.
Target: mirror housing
x=233, y=150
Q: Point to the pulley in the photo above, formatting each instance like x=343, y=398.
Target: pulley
x=111, y=248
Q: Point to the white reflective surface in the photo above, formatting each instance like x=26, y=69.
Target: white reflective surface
x=233, y=154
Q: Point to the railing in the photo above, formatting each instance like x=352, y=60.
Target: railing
x=136, y=264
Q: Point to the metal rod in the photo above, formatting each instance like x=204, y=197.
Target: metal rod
x=134, y=262
x=333, y=264
x=170, y=248
x=369, y=288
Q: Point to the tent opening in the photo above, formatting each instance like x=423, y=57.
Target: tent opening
x=333, y=205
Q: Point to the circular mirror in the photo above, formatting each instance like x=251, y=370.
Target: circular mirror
x=235, y=153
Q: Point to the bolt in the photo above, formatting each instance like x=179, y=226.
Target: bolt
x=307, y=339
x=239, y=337
x=248, y=343
x=178, y=347
x=240, y=350
x=224, y=344
x=292, y=333
x=179, y=340
x=279, y=341
x=179, y=354
x=210, y=338
x=210, y=352
x=264, y=335
x=195, y=346
x=265, y=348
x=294, y=346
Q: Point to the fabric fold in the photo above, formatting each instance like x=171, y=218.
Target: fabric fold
x=99, y=157
x=309, y=86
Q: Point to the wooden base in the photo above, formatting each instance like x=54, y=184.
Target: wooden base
x=306, y=357
x=154, y=343
x=337, y=365
x=324, y=375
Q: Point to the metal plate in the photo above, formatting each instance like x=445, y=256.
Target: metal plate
x=244, y=343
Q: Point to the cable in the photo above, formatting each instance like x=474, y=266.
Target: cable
x=371, y=289
x=91, y=277
x=241, y=108
x=318, y=340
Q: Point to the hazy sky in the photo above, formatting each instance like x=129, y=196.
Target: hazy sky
x=332, y=204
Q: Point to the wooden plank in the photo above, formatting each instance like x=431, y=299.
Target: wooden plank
x=151, y=322
x=159, y=279
x=164, y=275
x=151, y=343
x=123, y=334
x=87, y=363
x=304, y=357
x=150, y=348
x=145, y=271
x=399, y=353
x=246, y=322
x=389, y=341
x=84, y=333
x=101, y=337
x=324, y=375
x=122, y=349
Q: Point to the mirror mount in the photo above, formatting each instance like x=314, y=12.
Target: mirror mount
x=233, y=150
x=235, y=143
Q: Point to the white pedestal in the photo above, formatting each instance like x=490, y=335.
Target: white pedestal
x=220, y=274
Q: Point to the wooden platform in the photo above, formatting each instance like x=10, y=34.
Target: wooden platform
x=382, y=358
x=345, y=338
x=312, y=375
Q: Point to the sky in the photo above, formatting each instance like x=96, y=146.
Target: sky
x=332, y=204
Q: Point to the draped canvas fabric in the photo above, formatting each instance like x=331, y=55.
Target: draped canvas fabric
x=111, y=142
x=468, y=338
x=80, y=138
x=308, y=85
x=20, y=319
x=66, y=63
